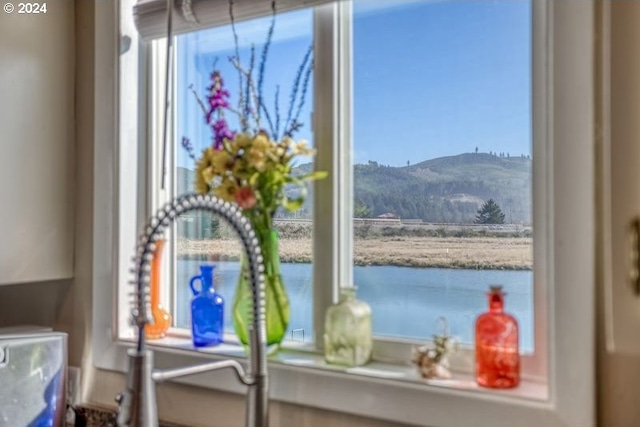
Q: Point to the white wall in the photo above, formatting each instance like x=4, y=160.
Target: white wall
x=37, y=164
x=36, y=140
x=619, y=370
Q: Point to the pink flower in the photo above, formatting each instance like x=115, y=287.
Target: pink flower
x=221, y=132
x=245, y=198
x=218, y=100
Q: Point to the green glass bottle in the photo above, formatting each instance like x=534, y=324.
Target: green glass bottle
x=347, y=331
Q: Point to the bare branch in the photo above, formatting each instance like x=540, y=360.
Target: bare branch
x=305, y=86
x=277, y=110
x=243, y=120
x=265, y=52
x=251, y=88
x=296, y=86
x=195, y=94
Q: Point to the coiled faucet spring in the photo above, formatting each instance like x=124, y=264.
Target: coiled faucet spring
x=137, y=404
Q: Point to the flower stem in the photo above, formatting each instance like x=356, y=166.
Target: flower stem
x=268, y=245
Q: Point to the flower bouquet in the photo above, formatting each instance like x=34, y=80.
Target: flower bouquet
x=255, y=169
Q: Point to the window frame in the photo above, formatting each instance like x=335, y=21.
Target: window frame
x=333, y=117
x=333, y=245
x=567, y=69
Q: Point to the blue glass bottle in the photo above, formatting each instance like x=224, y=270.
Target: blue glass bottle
x=207, y=310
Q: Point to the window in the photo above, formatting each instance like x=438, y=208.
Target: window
x=561, y=200
x=198, y=53
x=465, y=85
x=434, y=118
x=442, y=124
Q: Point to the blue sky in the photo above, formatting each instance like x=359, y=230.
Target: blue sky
x=431, y=78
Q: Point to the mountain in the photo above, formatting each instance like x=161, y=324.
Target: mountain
x=446, y=189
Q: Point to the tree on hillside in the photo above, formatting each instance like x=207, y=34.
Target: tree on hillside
x=361, y=210
x=489, y=213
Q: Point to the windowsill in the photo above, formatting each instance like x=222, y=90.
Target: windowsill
x=401, y=374
x=378, y=390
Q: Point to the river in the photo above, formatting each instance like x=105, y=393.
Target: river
x=405, y=301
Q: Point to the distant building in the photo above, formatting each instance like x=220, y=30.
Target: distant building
x=388, y=215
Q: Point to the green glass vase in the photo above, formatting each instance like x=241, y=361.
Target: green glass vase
x=278, y=310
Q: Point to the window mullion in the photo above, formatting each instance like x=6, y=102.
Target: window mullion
x=542, y=184
x=155, y=129
x=171, y=285
x=160, y=196
x=131, y=160
x=325, y=253
x=344, y=134
x=332, y=242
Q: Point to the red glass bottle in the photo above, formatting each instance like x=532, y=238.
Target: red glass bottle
x=497, y=355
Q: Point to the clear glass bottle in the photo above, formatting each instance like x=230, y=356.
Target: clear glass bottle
x=497, y=353
x=207, y=310
x=347, y=331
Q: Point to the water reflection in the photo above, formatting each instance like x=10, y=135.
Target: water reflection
x=406, y=302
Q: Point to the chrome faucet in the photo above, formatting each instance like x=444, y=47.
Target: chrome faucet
x=137, y=404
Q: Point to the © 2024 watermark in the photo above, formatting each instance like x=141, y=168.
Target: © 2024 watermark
x=25, y=8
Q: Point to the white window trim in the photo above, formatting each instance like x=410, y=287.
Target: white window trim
x=569, y=111
x=332, y=213
x=333, y=137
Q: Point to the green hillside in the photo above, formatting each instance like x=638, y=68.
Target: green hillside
x=462, y=166
x=446, y=189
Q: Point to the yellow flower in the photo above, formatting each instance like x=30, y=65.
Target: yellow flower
x=256, y=159
x=201, y=186
x=225, y=190
x=242, y=140
x=257, y=153
x=208, y=153
x=302, y=148
x=208, y=175
x=251, y=170
x=261, y=142
x=221, y=161
x=204, y=174
x=239, y=167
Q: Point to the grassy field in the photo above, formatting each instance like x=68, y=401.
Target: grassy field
x=505, y=253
